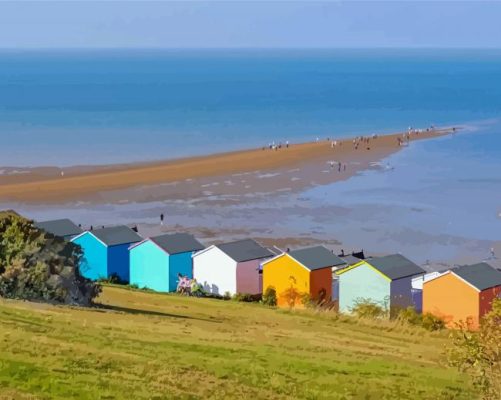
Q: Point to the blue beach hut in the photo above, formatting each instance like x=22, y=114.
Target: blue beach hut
x=156, y=261
x=106, y=252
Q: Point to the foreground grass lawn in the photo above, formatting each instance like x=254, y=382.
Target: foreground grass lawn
x=151, y=346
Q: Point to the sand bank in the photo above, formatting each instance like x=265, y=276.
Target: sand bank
x=84, y=183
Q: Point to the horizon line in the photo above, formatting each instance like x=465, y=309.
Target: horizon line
x=43, y=48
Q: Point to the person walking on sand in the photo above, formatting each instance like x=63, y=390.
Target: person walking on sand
x=161, y=219
x=493, y=254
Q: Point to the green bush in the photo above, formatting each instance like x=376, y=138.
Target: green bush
x=38, y=266
x=366, y=308
x=113, y=279
x=478, y=353
x=246, y=297
x=427, y=321
x=432, y=323
x=227, y=296
x=270, y=297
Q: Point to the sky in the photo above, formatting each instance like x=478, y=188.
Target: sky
x=243, y=24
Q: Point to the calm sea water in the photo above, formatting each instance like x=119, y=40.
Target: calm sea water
x=440, y=199
x=94, y=107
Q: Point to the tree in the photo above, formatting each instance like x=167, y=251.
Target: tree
x=35, y=265
x=479, y=353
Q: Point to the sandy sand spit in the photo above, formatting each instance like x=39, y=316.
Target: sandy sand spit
x=84, y=182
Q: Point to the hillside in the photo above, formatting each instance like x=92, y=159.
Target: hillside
x=140, y=345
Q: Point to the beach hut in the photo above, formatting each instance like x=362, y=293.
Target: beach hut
x=63, y=228
x=462, y=294
x=156, y=262
x=231, y=267
x=349, y=259
x=417, y=287
x=106, y=252
x=386, y=281
x=300, y=274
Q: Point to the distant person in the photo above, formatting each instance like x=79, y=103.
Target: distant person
x=287, y=144
x=161, y=219
x=493, y=254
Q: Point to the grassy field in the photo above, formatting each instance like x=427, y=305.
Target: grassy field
x=140, y=345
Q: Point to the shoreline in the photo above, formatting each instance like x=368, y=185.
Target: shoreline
x=94, y=184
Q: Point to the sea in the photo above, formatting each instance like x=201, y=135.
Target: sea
x=437, y=198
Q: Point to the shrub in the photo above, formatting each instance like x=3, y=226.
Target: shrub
x=366, y=308
x=227, y=296
x=431, y=322
x=307, y=301
x=292, y=296
x=113, y=279
x=38, y=266
x=270, y=297
x=409, y=316
x=427, y=321
x=246, y=297
x=479, y=353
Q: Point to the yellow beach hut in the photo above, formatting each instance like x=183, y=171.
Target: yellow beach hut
x=301, y=273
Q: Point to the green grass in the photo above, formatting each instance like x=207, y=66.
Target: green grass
x=142, y=345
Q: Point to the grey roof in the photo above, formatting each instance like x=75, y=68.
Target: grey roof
x=317, y=257
x=350, y=260
x=59, y=227
x=116, y=235
x=175, y=243
x=245, y=250
x=481, y=275
x=395, y=266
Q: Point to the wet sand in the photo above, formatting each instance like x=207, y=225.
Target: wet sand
x=140, y=182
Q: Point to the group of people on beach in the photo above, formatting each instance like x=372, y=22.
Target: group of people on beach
x=363, y=141
x=340, y=166
x=273, y=146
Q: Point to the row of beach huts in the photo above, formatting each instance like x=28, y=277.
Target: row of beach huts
x=463, y=293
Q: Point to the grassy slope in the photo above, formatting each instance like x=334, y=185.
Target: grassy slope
x=147, y=345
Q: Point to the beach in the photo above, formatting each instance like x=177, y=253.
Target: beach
x=342, y=157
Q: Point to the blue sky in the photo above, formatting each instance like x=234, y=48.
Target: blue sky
x=238, y=23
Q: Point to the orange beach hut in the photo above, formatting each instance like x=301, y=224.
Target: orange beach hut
x=301, y=273
x=462, y=294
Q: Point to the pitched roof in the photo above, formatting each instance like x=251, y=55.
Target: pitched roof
x=175, y=243
x=59, y=227
x=244, y=250
x=350, y=260
x=395, y=266
x=317, y=257
x=116, y=235
x=482, y=275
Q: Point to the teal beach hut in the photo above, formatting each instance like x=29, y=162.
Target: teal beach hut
x=386, y=281
x=106, y=252
x=155, y=262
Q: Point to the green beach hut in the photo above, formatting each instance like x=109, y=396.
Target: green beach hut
x=386, y=281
